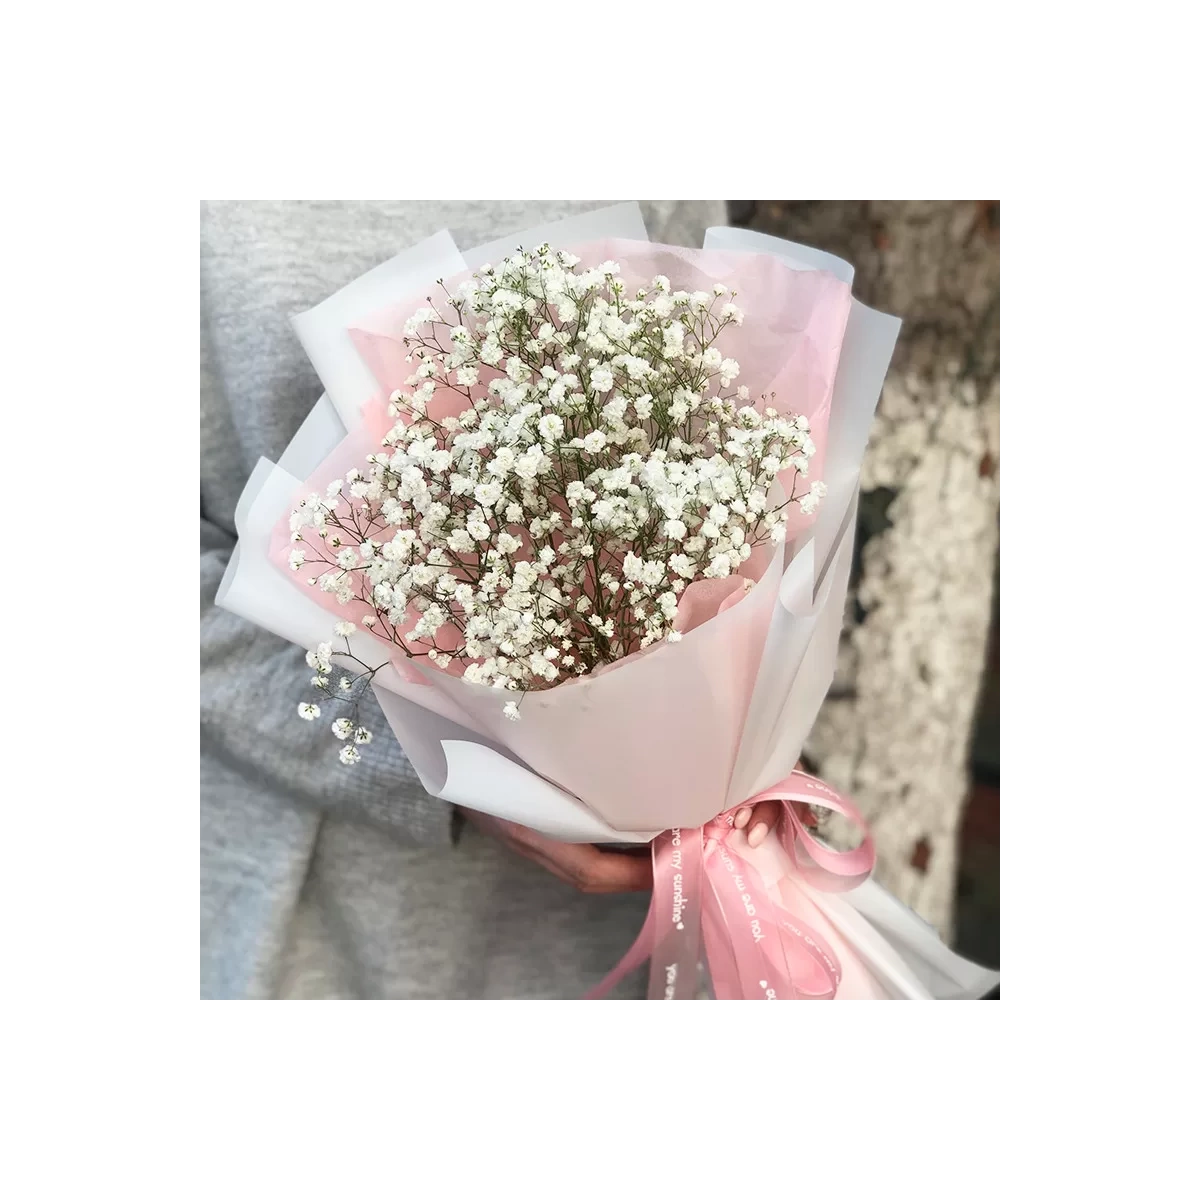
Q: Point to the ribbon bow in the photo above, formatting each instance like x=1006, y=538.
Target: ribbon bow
x=706, y=892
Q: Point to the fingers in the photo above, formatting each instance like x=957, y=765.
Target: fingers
x=588, y=868
x=761, y=819
x=601, y=872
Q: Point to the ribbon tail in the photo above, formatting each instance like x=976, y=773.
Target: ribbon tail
x=764, y=952
x=742, y=904
x=718, y=948
x=678, y=880
x=670, y=937
x=757, y=944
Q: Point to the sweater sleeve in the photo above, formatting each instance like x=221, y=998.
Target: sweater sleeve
x=251, y=682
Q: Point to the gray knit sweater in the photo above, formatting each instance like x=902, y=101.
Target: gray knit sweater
x=318, y=881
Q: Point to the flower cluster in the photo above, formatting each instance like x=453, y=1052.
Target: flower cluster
x=589, y=459
x=349, y=691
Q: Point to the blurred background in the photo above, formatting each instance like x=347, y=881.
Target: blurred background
x=912, y=724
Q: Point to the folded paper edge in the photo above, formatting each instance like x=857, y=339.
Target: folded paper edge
x=323, y=330
x=795, y=254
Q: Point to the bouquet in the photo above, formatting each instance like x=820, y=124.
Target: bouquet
x=579, y=509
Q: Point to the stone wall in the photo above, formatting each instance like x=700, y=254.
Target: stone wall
x=896, y=730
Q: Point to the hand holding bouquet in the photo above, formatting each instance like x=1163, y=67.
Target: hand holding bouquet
x=579, y=540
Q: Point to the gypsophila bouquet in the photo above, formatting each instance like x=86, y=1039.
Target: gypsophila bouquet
x=579, y=489
x=567, y=458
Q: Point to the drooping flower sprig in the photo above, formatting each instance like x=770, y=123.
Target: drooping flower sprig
x=588, y=459
x=348, y=691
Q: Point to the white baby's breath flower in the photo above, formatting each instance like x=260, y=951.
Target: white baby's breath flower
x=531, y=462
x=319, y=658
x=511, y=711
x=673, y=340
x=718, y=566
x=349, y=755
x=602, y=379
x=604, y=511
x=488, y=493
x=310, y=712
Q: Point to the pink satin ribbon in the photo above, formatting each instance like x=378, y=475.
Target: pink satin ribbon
x=707, y=895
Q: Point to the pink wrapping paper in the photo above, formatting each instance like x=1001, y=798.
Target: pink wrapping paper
x=651, y=741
